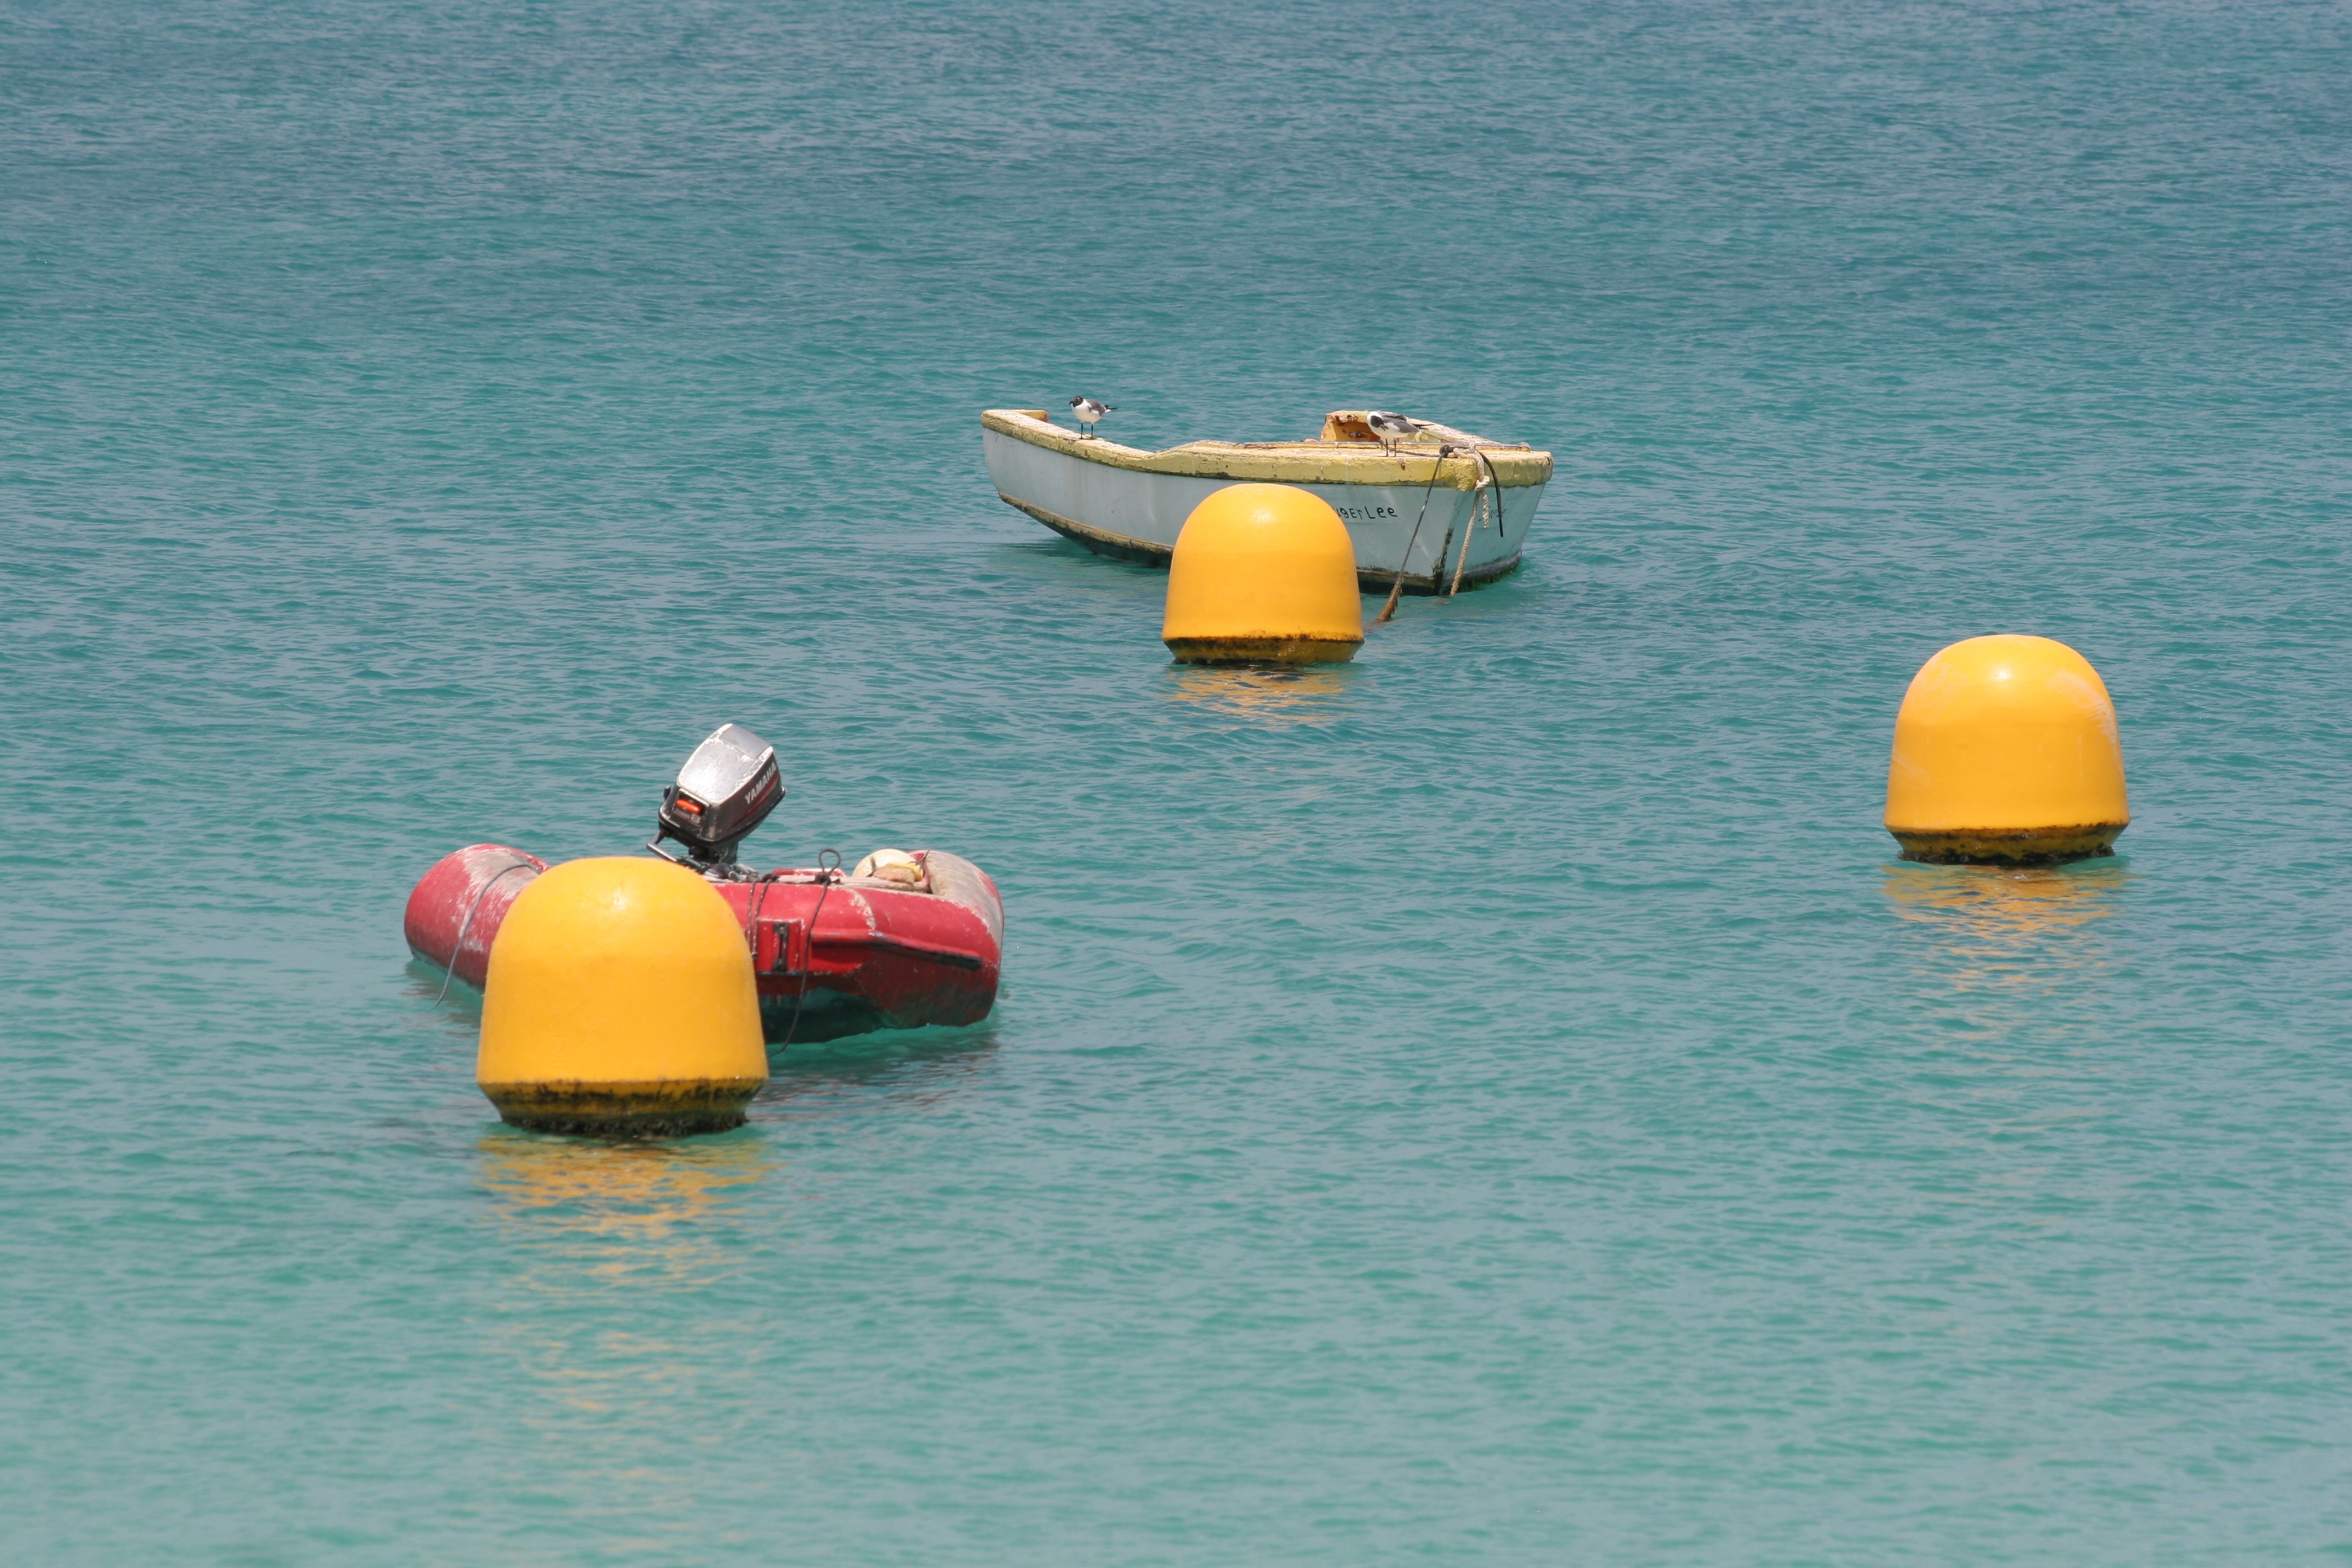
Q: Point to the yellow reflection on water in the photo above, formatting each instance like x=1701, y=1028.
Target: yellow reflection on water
x=609, y=1243
x=633, y=1196
x=1292, y=696
x=2008, y=927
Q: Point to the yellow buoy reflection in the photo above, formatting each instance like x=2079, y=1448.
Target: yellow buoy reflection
x=1281, y=695
x=2007, y=926
x=602, y=1237
x=623, y=1192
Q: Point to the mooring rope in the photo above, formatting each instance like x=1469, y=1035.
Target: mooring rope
x=1396, y=588
x=466, y=924
x=1462, y=562
x=1492, y=490
x=751, y=921
x=826, y=877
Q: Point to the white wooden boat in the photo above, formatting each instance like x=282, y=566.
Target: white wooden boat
x=1442, y=523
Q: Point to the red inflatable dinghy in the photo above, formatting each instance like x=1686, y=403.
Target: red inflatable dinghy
x=839, y=953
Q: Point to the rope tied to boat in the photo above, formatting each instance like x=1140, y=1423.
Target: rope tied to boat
x=1491, y=486
x=828, y=863
x=1396, y=586
x=457, y=949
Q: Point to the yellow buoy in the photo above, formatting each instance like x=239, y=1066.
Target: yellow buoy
x=620, y=1000
x=2006, y=749
x=1263, y=574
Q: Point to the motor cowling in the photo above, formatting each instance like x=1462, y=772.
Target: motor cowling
x=726, y=789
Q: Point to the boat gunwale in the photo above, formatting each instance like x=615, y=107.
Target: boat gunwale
x=1144, y=553
x=1285, y=462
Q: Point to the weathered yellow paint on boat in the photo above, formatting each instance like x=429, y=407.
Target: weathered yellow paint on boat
x=1263, y=574
x=1284, y=462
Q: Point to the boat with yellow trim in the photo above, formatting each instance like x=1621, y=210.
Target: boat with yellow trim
x=1442, y=509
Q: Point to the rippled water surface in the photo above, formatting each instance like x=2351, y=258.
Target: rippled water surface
x=1497, y=1102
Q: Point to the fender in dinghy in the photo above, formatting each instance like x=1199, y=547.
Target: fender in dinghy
x=850, y=953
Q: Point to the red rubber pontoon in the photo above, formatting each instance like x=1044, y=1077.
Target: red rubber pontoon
x=846, y=954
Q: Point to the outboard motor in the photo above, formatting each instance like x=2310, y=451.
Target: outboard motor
x=726, y=789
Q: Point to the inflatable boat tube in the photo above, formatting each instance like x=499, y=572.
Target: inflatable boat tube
x=848, y=954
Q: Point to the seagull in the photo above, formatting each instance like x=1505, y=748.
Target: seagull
x=1088, y=410
x=1391, y=428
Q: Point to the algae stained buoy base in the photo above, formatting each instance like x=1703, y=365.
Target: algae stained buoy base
x=621, y=1000
x=1263, y=574
x=2006, y=752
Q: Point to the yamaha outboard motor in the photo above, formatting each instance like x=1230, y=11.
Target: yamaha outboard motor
x=726, y=789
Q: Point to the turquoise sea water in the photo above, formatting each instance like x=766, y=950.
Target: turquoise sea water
x=1501, y=1101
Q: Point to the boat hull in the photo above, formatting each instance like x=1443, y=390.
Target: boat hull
x=1409, y=515
x=830, y=959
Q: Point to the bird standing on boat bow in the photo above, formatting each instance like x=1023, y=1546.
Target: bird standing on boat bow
x=1392, y=428
x=1088, y=412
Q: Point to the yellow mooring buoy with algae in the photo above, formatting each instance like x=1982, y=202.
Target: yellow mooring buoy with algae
x=2005, y=750
x=1263, y=574
x=620, y=1000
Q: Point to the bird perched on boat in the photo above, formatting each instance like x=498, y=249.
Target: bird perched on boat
x=1391, y=428
x=1088, y=411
